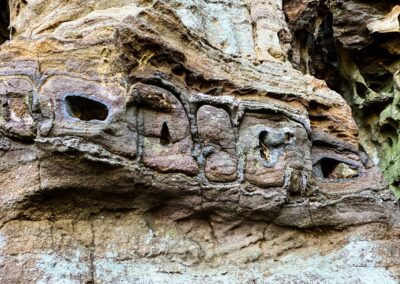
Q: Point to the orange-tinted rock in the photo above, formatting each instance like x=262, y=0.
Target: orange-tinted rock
x=174, y=142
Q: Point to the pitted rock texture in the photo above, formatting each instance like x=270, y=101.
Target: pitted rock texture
x=354, y=46
x=174, y=141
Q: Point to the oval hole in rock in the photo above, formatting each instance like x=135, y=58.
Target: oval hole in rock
x=361, y=90
x=165, y=136
x=264, y=148
x=334, y=169
x=390, y=133
x=86, y=109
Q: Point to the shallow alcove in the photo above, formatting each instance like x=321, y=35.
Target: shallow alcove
x=4, y=21
x=85, y=109
x=334, y=169
x=389, y=132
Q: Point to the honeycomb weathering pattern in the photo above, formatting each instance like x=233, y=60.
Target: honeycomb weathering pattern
x=182, y=119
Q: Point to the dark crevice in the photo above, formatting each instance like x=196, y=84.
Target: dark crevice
x=389, y=132
x=361, y=90
x=375, y=108
x=165, y=136
x=4, y=21
x=264, y=147
x=85, y=109
x=314, y=44
x=329, y=168
x=288, y=137
x=323, y=55
x=304, y=41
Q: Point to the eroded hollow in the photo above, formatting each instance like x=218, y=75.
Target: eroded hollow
x=85, y=109
x=264, y=148
x=4, y=21
x=333, y=169
x=165, y=135
x=361, y=90
x=390, y=133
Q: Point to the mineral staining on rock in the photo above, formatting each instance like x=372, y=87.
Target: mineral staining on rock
x=136, y=136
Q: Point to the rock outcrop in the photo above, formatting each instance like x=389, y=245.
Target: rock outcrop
x=354, y=46
x=175, y=141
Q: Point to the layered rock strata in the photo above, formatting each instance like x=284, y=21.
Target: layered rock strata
x=354, y=46
x=155, y=142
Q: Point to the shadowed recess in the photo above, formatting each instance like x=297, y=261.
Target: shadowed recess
x=165, y=137
x=334, y=169
x=264, y=148
x=85, y=109
x=4, y=21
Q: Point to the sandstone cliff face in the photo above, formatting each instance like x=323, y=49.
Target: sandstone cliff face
x=354, y=46
x=176, y=141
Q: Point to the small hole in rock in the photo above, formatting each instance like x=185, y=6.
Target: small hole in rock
x=288, y=137
x=334, y=169
x=165, y=137
x=263, y=143
x=361, y=90
x=263, y=138
x=389, y=131
x=86, y=109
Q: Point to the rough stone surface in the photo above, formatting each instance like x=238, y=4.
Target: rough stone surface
x=175, y=142
x=354, y=46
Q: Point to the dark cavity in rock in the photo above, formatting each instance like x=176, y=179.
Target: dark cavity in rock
x=334, y=169
x=165, y=136
x=4, y=21
x=86, y=109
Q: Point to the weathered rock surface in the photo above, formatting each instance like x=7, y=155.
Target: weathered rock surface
x=354, y=46
x=174, y=141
